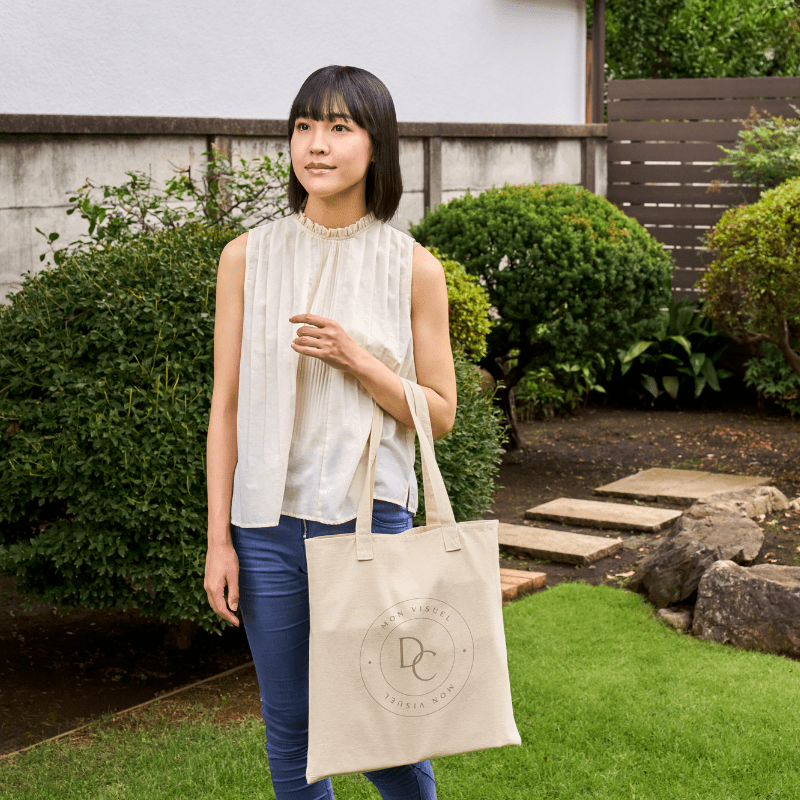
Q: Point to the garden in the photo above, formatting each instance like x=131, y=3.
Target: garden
x=575, y=367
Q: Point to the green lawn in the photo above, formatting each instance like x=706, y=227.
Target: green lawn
x=609, y=703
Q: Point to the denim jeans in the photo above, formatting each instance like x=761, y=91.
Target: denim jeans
x=273, y=597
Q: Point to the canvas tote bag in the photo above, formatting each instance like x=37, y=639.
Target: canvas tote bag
x=407, y=652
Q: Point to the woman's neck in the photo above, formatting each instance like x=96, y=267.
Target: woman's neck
x=335, y=214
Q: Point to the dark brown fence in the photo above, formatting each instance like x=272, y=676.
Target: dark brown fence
x=663, y=142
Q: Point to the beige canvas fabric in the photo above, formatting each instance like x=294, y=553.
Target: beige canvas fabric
x=407, y=652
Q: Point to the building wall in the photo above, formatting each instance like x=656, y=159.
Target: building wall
x=520, y=61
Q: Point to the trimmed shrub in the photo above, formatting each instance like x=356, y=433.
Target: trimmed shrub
x=469, y=456
x=107, y=367
x=566, y=271
x=753, y=284
x=105, y=388
x=469, y=308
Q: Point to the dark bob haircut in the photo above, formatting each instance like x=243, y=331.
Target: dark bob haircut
x=367, y=101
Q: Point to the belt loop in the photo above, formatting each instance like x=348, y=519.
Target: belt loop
x=305, y=529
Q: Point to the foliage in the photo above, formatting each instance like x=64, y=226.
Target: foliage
x=468, y=307
x=566, y=271
x=546, y=391
x=226, y=195
x=753, y=284
x=683, y=351
x=767, y=153
x=106, y=366
x=701, y=38
x=469, y=456
x=771, y=376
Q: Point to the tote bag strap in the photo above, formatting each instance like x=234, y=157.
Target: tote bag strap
x=439, y=511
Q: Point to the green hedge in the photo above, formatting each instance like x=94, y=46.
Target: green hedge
x=106, y=365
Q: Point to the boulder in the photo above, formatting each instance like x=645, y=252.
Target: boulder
x=757, y=501
x=755, y=608
x=680, y=620
x=672, y=573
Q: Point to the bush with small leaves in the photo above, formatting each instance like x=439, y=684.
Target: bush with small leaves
x=753, y=284
x=567, y=272
x=469, y=308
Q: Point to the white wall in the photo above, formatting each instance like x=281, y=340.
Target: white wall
x=517, y=61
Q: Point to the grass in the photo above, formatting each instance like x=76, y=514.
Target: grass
x=610, y=704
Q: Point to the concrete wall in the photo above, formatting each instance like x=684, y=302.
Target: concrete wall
x=520, y=61
x=39, y=171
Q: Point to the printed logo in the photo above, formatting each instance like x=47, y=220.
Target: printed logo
x=416, y=657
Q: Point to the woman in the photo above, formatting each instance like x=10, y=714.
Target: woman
x=318, y=315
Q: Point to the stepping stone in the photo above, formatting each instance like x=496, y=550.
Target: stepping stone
x=571, y=548
x=594, y=514
x=518, y=582
x=678, y=486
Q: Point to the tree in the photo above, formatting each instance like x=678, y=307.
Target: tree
x=701, y=38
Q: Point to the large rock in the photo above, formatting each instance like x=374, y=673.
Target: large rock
x=756, y=608
x=672, y=573
x=753, y=502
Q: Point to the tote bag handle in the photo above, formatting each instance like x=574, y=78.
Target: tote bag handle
x=438, y=510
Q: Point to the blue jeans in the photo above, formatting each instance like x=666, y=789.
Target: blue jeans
x=273, y=597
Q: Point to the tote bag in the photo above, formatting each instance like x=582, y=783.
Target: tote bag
x=407, y=652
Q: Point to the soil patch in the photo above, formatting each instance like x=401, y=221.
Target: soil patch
x=59, y=671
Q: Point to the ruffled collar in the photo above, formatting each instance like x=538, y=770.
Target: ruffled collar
x=334, y=233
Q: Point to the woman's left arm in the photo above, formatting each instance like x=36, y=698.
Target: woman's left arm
x=433, y=357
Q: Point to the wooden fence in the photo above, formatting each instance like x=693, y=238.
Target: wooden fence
x=663, y=142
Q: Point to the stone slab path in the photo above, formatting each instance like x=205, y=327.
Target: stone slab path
x=678, y=486
x=516, y=583
x=551, y=545
x=595, y=514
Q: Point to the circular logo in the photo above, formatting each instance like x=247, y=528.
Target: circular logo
x=416, y=657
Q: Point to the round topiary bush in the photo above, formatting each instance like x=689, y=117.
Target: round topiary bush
x=106, y=370
x=752, y=286
x=567, y=272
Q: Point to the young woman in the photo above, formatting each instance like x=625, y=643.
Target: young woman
x=318, y=314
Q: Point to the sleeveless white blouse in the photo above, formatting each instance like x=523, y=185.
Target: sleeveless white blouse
x=302, y=426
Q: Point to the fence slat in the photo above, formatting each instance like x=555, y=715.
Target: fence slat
x=664, y=151
x=685, y=195
x=674, y=215
x=711, y=88
x=674, y=131
x=668, y=173
x=727, y=110
x=680, y=237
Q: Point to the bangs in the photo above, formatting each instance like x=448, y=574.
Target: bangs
x=328, y=99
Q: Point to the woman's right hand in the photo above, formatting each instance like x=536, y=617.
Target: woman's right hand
x=222, y=567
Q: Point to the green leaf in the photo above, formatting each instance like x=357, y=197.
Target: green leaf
x=699, y=385
x=683, y=342
x=671, y=384
x=697, y=360
x=636, y=351
x=711, y=375
x=649, y=383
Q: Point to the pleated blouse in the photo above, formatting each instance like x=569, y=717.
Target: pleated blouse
x=302, y=426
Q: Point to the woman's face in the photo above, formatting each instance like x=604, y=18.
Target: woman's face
x=342, y=146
